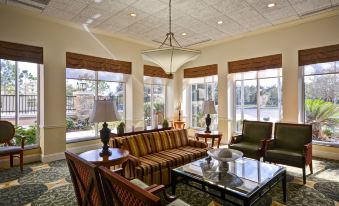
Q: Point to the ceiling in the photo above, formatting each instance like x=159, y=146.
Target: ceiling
x=197, y=18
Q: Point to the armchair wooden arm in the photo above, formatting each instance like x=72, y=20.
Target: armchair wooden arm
x=308, y=153
x=160, y=188
x=267, y=143
x=236, y=139
x=23, y=139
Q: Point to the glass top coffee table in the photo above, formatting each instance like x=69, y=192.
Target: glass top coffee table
x=245, y=179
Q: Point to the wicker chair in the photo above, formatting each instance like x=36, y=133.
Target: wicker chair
x=292, y=145
x=85, y=180
x=92, y=186
x=7, y=133
x=120, y=191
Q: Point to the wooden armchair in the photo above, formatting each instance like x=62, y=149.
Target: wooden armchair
x=85, y=180
x=252, y=140
x=7, y=133
x=292, y=145
x=102, y=187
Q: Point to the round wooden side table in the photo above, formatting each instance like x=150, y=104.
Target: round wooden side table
x=118, y=157
x=213, y=135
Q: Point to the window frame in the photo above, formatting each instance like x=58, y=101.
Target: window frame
x=96, y=125
x=257, y=79
x=17, y=99
x=152, y=101
x=206, y=83
x=302, y=115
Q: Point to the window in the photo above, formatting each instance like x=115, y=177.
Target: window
x=257, y=96
x=82, y=88
x=321, y=99
x=199, y=93
x=154, y=102
x=20, y=97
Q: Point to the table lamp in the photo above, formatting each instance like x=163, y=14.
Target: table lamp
x=104, y=111
x=208, y=108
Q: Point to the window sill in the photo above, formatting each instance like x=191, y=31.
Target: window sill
x=32, y=146
x=82, y=139
x=326, y=144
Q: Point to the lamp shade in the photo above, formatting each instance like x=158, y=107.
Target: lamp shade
x=104, y=111
x=171, y=58
x=208, y=107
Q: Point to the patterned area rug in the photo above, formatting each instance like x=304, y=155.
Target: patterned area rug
x=50, y=184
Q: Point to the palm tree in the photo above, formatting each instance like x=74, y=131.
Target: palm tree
x=320, y=113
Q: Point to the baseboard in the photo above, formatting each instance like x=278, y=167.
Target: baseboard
x=4, y=162
x=325, y=155
x=85, y=148
x=52, y=157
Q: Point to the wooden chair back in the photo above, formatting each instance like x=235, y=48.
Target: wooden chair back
x=120, y=192
x=7, y=132
x=85, y=180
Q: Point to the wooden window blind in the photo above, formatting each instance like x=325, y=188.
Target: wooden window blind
x=319, y=55
x=81, y=61
x=255, y=64
x=154, y=71
x=201, y=71
x=21, y=52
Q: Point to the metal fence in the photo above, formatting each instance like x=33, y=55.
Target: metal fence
x=28, y=104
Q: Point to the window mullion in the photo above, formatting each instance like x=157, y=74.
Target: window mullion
x=258, y=98
x=16, y=94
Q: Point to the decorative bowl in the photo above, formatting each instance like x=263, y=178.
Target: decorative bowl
x=214, y=153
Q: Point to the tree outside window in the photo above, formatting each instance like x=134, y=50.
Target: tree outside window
x=257, y=96
x=321, y=99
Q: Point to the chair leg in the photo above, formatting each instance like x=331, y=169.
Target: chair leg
x=11, y=160
x=311, y=167
x=304, y=175
x=21, y=161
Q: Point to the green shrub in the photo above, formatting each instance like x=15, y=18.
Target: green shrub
x=30, y=133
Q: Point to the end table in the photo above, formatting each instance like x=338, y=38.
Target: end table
x=118, y=157
x=213, y=135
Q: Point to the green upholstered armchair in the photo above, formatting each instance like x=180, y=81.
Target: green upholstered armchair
x=292, y=145
x=251, y=141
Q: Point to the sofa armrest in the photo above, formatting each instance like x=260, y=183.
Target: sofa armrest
x=308, y=152
x=134, y=160
x=195, y=143
x=236, y=139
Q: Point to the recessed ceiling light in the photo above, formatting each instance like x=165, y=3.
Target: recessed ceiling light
x=219, y=22
x=97, y=1
x=96, y=16
x=270, y=5
x=89, y=21
x=184, y=34
x=133, y=14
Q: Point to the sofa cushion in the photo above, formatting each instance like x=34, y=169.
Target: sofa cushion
x=137, y=145
x=179, y=137
x=198, y=152
x=282, y=154
x=248, y=148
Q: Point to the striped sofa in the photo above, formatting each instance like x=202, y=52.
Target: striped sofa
x=153, y=155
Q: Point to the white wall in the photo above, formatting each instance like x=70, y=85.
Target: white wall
x=20, y=26
x=286, y=41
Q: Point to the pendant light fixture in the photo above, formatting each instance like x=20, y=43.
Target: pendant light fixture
x=170, y=55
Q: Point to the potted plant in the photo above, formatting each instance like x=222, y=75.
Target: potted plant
x=165, y=124
x=121, y=128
